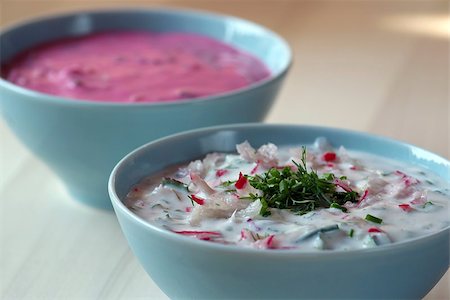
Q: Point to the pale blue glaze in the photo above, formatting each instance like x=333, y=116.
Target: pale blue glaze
x=185, y=268
x=81, y=141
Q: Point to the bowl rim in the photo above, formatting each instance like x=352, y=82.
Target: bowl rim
x=194, y=13
x=120, y=208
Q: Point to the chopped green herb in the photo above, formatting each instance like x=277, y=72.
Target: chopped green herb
x=427, y=203
x=301, y=191
x=328, y=176
x=228, y=183
x=351, y=232
x=265, y=212
x=373, y=219
x=174, y=183
x=338, y=206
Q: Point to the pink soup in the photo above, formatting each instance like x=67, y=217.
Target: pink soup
x=135, y=66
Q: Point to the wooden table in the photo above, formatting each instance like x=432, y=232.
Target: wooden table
x=375, y=66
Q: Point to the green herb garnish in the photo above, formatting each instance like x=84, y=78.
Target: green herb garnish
x=351, y=232
x=174, y=183
x=427, y=204
x=301, y=191
x=338, y=206
x=373, y=219
x=228, y=186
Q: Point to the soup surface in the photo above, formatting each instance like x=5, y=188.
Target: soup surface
x=133, y=66
x=306, y=198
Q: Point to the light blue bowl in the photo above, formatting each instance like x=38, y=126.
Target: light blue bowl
x=185, y=268
x=83, y=140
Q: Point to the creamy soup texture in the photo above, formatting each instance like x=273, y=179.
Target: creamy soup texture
x=363, y=200
x=135, y=66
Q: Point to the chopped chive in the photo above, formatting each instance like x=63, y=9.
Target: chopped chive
x=373, y=219
x=336, y=205
x=427, y=203
x=174, y=183
x=328, y=176
x=351, y=232
x=228, y=183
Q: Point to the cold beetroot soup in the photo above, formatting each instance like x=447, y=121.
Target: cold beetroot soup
x=134, y=66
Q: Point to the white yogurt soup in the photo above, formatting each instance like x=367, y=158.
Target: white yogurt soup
x=310, y=198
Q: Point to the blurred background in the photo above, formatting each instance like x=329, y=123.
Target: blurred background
x=376, y=66
x=352, y=58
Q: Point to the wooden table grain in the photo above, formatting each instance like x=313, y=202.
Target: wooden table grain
x=375, y=66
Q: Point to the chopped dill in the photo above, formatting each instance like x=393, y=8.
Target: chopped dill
x=301, y=191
